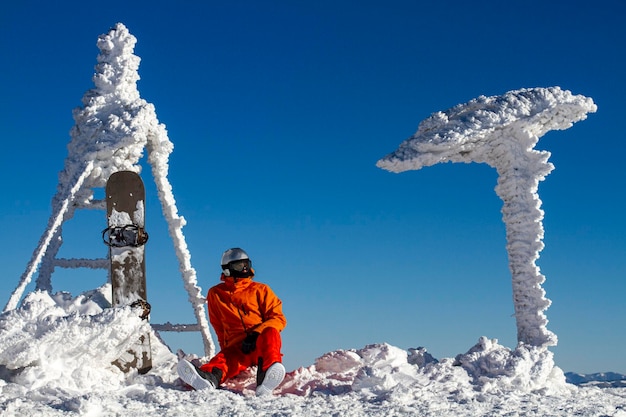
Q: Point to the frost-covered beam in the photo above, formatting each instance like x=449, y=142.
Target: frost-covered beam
x=60, y=210
x=169, y=327
x=75, y=263
x=502, y=132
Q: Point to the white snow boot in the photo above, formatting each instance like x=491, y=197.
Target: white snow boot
x=195, y=377
x=273, y=377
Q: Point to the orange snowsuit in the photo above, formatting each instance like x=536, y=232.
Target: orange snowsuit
x=238, y=306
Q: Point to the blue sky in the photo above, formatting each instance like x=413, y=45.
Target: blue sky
x=278, y=112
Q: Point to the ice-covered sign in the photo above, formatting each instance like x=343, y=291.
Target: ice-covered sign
x=502, y=132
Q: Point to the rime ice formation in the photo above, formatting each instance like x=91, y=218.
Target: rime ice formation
x=111, y=130
x=502, y=132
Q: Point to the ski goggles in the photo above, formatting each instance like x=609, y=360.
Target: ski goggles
x=240, y=265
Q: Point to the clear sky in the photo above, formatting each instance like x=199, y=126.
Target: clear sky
x=279, y=110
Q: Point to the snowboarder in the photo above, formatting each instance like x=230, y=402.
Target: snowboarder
x=247, y=318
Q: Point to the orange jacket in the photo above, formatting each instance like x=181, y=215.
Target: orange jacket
x=240, y=306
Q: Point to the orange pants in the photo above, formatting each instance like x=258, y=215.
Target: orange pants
x=232, y=361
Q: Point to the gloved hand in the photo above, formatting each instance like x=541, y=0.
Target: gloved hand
x=249, y=343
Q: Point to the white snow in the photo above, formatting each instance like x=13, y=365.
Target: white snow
x=56, y=351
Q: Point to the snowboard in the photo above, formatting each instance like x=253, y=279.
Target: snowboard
x=126, y=237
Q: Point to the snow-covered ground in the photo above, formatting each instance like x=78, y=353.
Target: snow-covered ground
x=56, y=353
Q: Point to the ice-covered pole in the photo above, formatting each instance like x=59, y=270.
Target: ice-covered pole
x=60, y=211
x=502, y=132
x=159, y=149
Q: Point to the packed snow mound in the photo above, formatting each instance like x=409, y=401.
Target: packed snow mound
x=373, y=370
x=67, y=343
x=526, y=368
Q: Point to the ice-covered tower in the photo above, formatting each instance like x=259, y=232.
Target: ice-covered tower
x=502, y=131
x=112, y=129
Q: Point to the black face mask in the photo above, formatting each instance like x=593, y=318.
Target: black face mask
x=239, y=269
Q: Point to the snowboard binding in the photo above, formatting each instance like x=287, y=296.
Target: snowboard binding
x=145, y=306
x=121, y=236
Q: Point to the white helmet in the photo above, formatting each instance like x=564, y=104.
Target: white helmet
x=231, y=266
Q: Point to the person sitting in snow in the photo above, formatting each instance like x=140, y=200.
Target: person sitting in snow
x=247, y=317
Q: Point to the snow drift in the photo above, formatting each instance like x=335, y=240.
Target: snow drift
x=69, y=343
x=56, y=353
